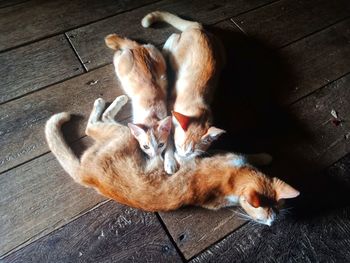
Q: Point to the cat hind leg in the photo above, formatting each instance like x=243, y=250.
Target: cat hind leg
x=170, y=44
x=114, y=108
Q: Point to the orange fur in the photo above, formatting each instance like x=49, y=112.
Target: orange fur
x=196, y=59
x=141, y=70
x=116, y=168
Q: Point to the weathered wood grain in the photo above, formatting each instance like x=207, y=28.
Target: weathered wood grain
x=109, y=233
x=36, y=198
x=35, y=66
x=285, y=21
x=32, y=20
x=22, y=120
x=318, y=60
x=328, y=140
x=194, y=229
x=6, y=3
x=89, y=40
x=316, y=232
x=320, y=239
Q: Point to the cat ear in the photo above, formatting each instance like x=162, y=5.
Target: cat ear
x=212, y=134
x=135, y=130
x=253, y=199
x=284, y=190
x=183, y=120
x=165, y=124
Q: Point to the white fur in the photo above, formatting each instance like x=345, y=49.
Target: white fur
x=238, y=161
x=233, y=200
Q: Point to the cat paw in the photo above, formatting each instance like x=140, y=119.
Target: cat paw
x=122, y=100
x=170, y=165
x=99, y=103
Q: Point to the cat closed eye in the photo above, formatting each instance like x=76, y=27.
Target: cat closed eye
x=146, y=147
x=160, y=145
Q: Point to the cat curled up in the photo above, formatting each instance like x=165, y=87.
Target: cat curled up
x=196, y=59
x=141, y=70
x=116, y=167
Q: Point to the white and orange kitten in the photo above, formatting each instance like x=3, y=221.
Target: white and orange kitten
x=196, y=58
x=117, y=169
x=141, y=70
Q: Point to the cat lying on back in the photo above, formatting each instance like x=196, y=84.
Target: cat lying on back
x=141, y=70
x=117, y=169
x=196, y=58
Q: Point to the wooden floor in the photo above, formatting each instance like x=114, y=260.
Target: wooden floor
x=285, y=90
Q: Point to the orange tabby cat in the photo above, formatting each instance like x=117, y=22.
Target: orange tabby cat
x=141, y=70
x=115, y=167
x=196, y=59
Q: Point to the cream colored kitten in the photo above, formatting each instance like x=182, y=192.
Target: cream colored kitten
x=196, y=59
x=141, y=70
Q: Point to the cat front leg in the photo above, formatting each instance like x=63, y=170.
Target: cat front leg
x=170, y=164
x=259, y=159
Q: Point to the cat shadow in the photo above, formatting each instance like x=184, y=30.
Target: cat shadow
x=250, y=104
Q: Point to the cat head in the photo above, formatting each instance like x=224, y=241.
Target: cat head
x=192, y=136
x=261, y=199
x=152, y=140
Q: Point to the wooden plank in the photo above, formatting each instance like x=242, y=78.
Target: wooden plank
x=5, y=3
x=36, y=198
x=22, y=120
x=35, y=20
x=37, y=65
x=317, y=239
x=94, y=53
x=285, y=21
x=328, y=140
x=317, y=60
x=317, y=230
x=109, y=233
x=194, y=229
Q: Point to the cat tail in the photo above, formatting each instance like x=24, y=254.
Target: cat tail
x=115, y=42
x=259, y=159
x=59, y=147
x=175, y=21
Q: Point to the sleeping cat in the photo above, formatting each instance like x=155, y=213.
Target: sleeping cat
x=141, y=70
x=196, y=59
x=116, y=168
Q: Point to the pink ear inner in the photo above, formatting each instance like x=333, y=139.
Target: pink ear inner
x=165, y=124
x=284, y=190
x=182, y=119
x=253, y=199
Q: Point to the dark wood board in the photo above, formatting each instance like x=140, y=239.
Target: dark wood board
x=320, y=239
x=285, y=21
x=302, y=235
x=317, y=60
x=33, y=20
x=22, y=120
x=6, y=3
x=37, y=65
x=109, y=233
x=37, y=198
x=88, y=41
x=194, y=229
